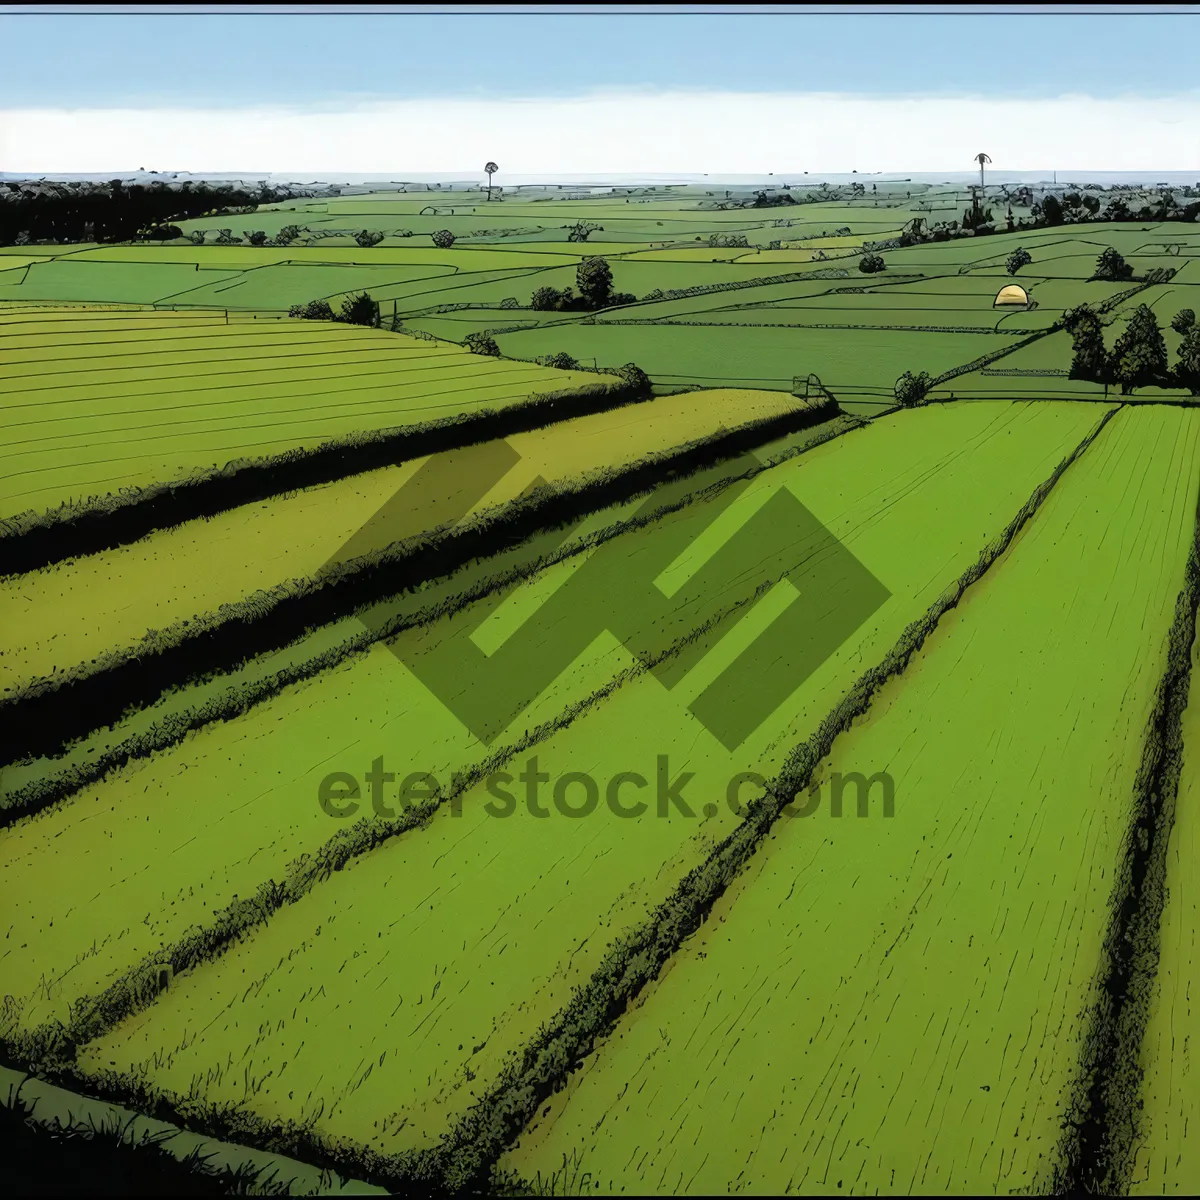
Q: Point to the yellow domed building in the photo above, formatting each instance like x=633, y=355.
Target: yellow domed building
x=1012, y=294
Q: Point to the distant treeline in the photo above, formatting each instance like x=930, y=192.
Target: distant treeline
x=118, y=212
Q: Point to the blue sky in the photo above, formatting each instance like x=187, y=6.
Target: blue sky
x=191, y=58
x=594, y=90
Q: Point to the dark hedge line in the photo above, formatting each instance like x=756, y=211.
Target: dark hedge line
x=48, y=716
x=36, y=540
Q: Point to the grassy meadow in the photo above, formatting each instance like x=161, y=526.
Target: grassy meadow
x=295, y=608
x=1001, y=872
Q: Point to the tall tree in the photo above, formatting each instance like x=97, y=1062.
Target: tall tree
x=1052, y=210
x=1087, y=342
x=490, y=169
x=1140, y=356
x=1111, y=266
x=981, y=159
x=593, y=278
x=1187, y=369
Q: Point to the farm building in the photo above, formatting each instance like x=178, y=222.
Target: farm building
x=1012, y=293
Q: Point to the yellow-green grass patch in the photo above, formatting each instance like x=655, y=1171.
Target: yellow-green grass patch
x=105, y=413
x=75, y=612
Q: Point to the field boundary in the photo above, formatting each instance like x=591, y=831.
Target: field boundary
x=1026, y=371
x=34, y=540
x=964, y=329
x=53, y=713
x=1103, y=1130
x=160, y=1149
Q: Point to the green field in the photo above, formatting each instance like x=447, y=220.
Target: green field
x=1024, y=447
x=811, y=978
x=95, y=403
x=261, y=574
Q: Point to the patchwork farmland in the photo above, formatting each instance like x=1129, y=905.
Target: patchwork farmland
x=299, y=610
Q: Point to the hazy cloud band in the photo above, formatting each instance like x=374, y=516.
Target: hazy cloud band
x=625, y=133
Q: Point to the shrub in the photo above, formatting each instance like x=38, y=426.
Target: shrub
x=869, y=264
x=1112, y=267
x=510, y=302
x=1183, y=320
x=482, y=342
x=1019, y=258
x=581, y=231
x=289, y=233
x=256, y=237
x=548, y=299
x=911, y=389
x=621, y=298
x=636, y=378
x=732, y=241
x=314, y=310
x=656, y=294
x=196, y=237
x=368, y=237
x=160, y=233
x=360, y=310
x=225, y=238
x=443, y=239
x=561, y=361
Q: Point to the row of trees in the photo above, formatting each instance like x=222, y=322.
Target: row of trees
x=225, y=237
x=978, y=221
x=1075, y=208
x=116, y=212
x=1139, y=358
